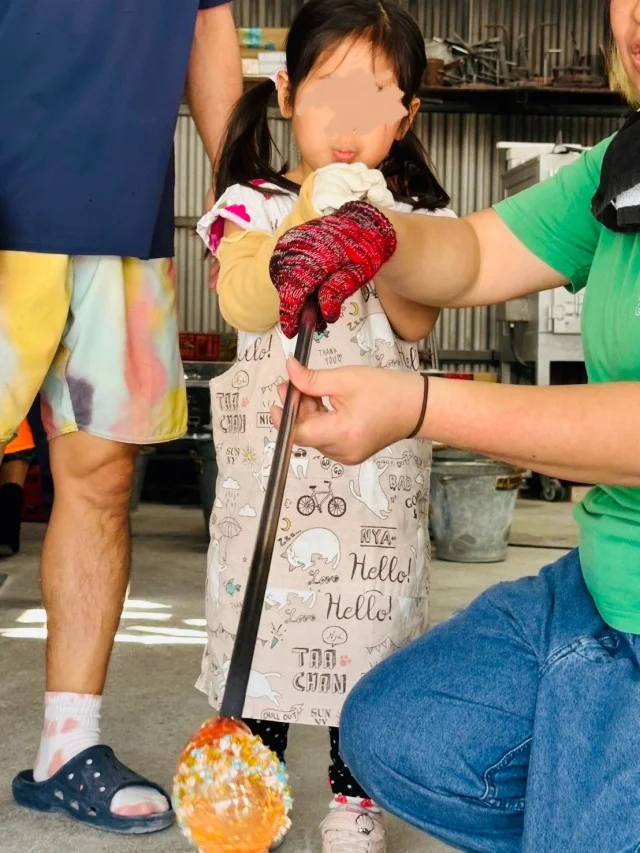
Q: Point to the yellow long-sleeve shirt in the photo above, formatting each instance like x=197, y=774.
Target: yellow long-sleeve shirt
x=247, y=298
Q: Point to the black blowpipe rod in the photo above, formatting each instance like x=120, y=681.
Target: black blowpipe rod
x=245, y=642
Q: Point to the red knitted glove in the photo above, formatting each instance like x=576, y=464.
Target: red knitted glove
x=335, y=255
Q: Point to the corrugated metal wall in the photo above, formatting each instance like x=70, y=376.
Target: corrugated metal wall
x=463, y=146
x=468, y=18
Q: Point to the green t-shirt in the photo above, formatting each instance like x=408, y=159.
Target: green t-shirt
x=554, y=220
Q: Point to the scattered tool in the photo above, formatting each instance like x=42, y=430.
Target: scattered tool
x=579, y=73
x=495, y=61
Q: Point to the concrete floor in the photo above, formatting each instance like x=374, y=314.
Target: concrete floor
x=151, y=706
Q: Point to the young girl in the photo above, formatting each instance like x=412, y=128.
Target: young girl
x=349, y=578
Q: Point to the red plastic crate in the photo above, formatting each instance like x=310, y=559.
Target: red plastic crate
x=467, y=376
x=33, y=508
x=195, y=346
x=198, y=346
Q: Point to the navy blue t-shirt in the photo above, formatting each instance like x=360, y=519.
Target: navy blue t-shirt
x=89, y=96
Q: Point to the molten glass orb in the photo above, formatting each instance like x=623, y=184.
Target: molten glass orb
x=230, y=793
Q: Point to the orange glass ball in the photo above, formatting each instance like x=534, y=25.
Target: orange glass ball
x=230, y=793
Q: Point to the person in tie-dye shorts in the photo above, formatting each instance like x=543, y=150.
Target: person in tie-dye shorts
x=98, y=335
x=88, y=318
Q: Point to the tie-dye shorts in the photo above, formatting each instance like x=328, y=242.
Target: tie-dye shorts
x=98, y=336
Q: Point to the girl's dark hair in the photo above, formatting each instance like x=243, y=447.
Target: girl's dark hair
x=248, y=147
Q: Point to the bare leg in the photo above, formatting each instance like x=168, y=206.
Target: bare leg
x=86, y=559
x=84, y=575
x=13, y=471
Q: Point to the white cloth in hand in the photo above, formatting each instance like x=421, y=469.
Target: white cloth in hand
x=341, y=183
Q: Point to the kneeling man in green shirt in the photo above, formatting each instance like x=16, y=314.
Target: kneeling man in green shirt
x=516, y=724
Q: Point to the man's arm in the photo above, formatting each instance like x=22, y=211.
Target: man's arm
x=584, y=433
x=540, y=239
x=411, y=321
x=460, y=263
x=214, y=80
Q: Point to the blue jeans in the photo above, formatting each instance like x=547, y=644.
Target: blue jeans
x=512, y=728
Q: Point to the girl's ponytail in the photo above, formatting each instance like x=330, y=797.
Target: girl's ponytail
x=248, y=147
x=410, y=175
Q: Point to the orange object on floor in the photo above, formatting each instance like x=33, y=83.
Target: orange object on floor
x=23, y=441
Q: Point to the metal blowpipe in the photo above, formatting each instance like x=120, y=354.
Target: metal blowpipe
x=245, y=642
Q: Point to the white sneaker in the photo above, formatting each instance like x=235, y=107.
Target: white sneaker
x=351, y=829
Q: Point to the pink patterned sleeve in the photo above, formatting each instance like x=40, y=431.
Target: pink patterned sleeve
x=243, y=206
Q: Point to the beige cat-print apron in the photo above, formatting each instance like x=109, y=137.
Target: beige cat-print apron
x=349, y=577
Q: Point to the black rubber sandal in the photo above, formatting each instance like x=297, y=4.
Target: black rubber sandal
x=85, y=787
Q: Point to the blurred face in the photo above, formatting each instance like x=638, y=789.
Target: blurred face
x=348, y=110
x=625, y=24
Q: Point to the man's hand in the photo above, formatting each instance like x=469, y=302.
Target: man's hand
x=372, y=409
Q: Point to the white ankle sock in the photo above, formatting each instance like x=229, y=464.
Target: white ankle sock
x=71, y=725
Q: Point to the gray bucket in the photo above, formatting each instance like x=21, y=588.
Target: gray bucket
x=473, y=499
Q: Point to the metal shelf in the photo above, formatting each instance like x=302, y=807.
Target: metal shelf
x=519, y=100
x=464, y=355
x=509, y=100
